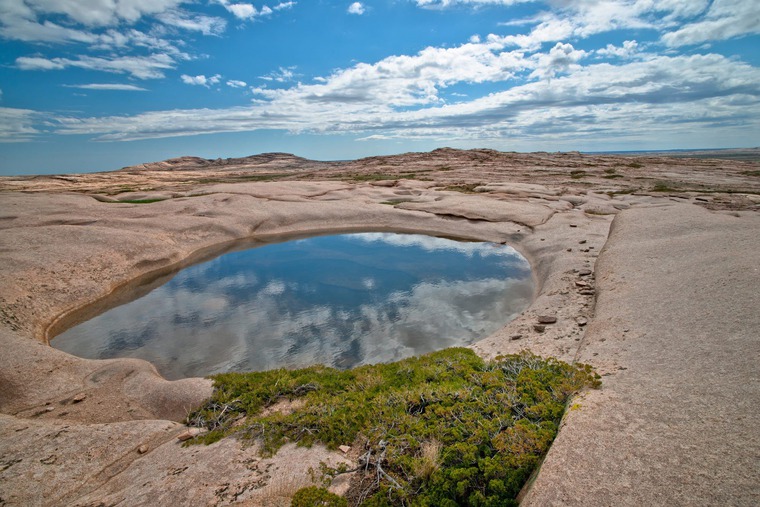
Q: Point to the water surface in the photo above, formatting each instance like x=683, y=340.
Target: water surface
x=340, y=300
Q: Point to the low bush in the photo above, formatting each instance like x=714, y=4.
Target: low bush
x=444, y=429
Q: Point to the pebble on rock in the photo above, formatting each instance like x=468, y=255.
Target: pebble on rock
x=515, y=337
x=547, y=319
x=539, y=328
x=582, y=321
x=584, y=272
x=143, y=449
x=79, y=397
x=344, y=448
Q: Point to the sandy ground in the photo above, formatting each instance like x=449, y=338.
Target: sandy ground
x=663, y=304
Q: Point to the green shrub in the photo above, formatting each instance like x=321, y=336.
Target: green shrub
x=448, y=428
x=313, y=496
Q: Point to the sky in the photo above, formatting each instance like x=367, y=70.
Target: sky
x=92, y=85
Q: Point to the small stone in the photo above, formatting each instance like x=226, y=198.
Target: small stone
x=581, y=321
x=584, y=272
x=515, y=337
x=573, y=225
x=190, y=433
x=582, y=242
x=344, y=448
x=143, y=449
x=79, y=397
x=49, y=409
x=569, y=249
x=547, y=319
x=538, y=328
x=587, y=292
x=581, y=283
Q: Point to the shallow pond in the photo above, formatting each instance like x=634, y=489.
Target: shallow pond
x=341, y=300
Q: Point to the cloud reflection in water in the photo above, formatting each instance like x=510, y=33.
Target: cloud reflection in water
x=338, y=300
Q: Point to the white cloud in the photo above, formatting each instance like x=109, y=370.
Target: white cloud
x=284, y=5
x=207, y=25
x=246, y=11
x=141, y=67
x=724, y=20
x=234, y=83
x=92, y=13
x=201, y=80
x=356, y=8
x=684, y=95
x=17, y=125
x=627, y=50
x=281, y=75
x=108, y=86
x=559, y=59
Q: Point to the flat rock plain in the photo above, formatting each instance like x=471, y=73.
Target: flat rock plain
x=649, y=264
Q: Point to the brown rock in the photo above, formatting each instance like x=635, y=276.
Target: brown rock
x=143, y=449
x=539, y=328
x=584, y=272
x=547, y=319
x=79, y=397
x=515, y=337
x=344, y=448
x=581, y=321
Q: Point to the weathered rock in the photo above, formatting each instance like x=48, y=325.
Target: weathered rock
x=344, y=448
x=581, y=283
x=547, y=319
x=79, y=397
x=515, y=337
x=143, y=449
x=581, y=321
x=539, y=328
x=584, y=272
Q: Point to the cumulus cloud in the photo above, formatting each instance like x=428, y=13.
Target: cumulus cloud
x=627, y=50
x=201, y=80
x=356, y=8
x=246, y=11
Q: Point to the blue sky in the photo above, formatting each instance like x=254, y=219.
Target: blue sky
x=90, y=85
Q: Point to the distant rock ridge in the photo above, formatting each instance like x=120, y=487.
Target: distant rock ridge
x=188, y=163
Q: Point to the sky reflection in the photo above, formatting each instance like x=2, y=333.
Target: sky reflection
x=339, y=300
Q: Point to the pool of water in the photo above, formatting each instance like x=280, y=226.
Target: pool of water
x=341, y=300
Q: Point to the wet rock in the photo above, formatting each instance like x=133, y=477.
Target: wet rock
x=547, y=319
x=539, y=328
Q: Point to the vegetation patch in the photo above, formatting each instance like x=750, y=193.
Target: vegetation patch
x=613, y=176
x=635, y=165
x=444, y=429
x=576, y=175
x=662, y=186
x=751, y=173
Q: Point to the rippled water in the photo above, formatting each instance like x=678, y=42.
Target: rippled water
x=340, y=300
